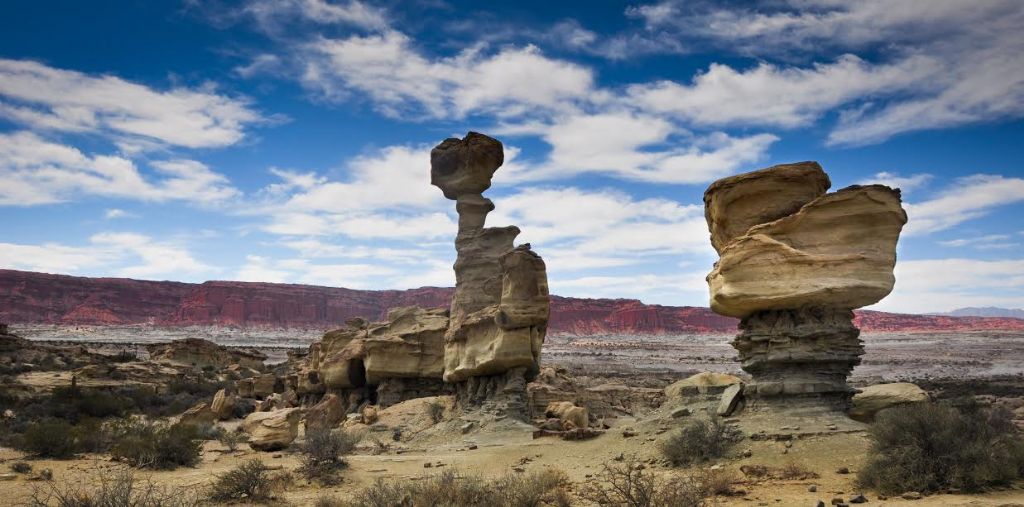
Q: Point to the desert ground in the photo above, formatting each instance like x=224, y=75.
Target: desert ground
x=826, y=450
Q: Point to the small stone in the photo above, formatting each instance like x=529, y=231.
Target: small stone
x=680, y=412
x=821, y=503
x=858, y=498
x=620, y=457
x=843, y=471
x=911, y=495
x=472, y=447
x=276, y=456
x=812, y=488
x=747, y=453
x=788, y=444
x=428, y=465
x=838, y=500
x=8, y=477
x=466, y=428
x=628, y=433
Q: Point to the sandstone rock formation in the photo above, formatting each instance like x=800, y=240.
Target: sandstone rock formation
x=873, y=399
x=200, y=353
x=570, y=415
x=794, y=262
x=702, y=383
x=223, y=405
x=270, y=431
x=500, y=309
x=326, y=414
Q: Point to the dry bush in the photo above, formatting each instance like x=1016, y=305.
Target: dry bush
x=789, y=471
x=697, y=441
x=161, y=446
x=933, y=447
x=231, y=439
x=449, y=489
x=250, y=481
x=121, y=489
x=323, y=454
x=20, y=467
x=435, y=410
x=629, y=484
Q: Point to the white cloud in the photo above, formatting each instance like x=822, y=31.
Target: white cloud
x=271, y=14
x=968, y=198
x=940, y=285
x=771, y=95
x=36, y=171
x=401, y=80
x=48, y=98
x=114, y=213
x=353, y=276
x=904, y=183
x=953, y=63
x=123, y=254
x=637, y=147
x=987, y=242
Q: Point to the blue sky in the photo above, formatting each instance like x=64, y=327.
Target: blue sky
x=288, y=141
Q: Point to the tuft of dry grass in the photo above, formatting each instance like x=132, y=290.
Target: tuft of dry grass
x=449, y=488
x=630, y=484
x=121, y=489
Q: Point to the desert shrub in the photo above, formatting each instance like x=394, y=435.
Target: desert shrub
x=630, y=484
x=449, y=489
x=435, y=410
x=20, y=467
x=328, y=501
x=231, y=439
x=49, y=439
x=323, y=454
x=74, y=404
x=161, y=446
x=697, y=441
x=111, y=490
x=250, y=481
x=932, y=447
x=124, y=356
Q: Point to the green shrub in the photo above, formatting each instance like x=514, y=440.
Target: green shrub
x=697, y=441
x=231, y=439
x=932, y=447
x=249, y=481
x=49, y=439
x=155, y=445
x=323, y=454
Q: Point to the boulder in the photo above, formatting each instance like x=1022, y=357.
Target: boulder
x=274, y=430
x=571, y=416
x=199, y=414
x=465, y=166
x=326, y=414
x=838, y=250
x=731, y=398
x=223, y=405
x=264, y=385
x=701, y=383
x=873, y=399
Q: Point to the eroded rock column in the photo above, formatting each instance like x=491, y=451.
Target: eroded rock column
x=794, y=262
x=500, y=309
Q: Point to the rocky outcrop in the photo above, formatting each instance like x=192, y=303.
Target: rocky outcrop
x=794, y=262
x=570, y=416
x=875, y=398
x=699, y=384
x=325, y=415
x=40, y=298
x=201, y=353
x=274, y=430
x=223, y=405
x=500, y=309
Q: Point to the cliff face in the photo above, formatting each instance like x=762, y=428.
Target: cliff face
x=40, y=298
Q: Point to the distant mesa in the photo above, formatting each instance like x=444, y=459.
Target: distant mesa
x=40, y=298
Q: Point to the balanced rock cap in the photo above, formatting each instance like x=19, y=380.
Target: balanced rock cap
x=465, y=166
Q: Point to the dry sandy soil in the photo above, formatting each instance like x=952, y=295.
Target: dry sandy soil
x=987, y=364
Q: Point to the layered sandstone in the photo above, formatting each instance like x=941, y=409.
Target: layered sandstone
x=794, y=262
x=500, y=309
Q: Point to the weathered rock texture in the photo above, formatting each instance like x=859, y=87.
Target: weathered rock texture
x=383, y=362
x=500, y=309
x=199, y=352
x=270, y=431
x=873, y=399
x=794, y=262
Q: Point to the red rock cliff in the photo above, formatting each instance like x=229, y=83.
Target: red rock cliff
x=27, y=297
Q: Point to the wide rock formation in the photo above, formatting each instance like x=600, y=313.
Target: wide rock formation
x=383, y=362
x=794, y=262
x=500, y=309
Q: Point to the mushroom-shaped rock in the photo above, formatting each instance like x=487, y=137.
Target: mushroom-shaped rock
x=873, y=399
x=270, y=431
x=465, y=166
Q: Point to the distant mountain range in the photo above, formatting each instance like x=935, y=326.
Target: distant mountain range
x=987, y=311
x=27, y=297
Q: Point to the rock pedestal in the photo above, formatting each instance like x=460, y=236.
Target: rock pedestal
x=794, y=262
x=499, y=313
